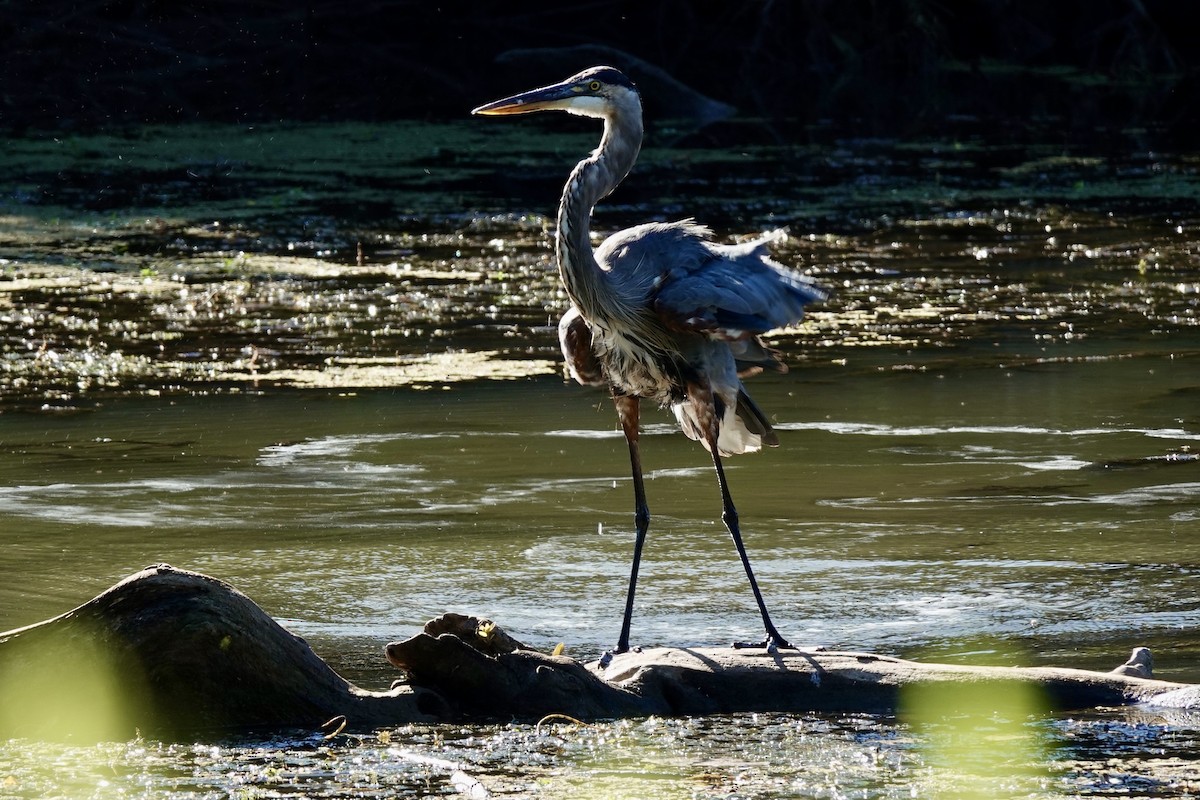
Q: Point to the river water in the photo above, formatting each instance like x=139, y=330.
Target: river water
x=318, y=363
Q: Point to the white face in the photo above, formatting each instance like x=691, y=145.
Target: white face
x=586, y=106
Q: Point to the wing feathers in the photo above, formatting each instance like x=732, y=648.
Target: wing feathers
x=727, y=291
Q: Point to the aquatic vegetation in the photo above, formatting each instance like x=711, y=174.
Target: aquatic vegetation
x=226, y=258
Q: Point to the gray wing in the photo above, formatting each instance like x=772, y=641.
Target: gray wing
x=731, y=292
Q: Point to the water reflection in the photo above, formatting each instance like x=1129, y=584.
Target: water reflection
x=760, y=755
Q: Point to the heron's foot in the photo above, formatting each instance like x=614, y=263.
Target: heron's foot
x=771, y=643
x=608, y=655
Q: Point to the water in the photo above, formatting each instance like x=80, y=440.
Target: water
x=361, y=516
x=988, y=444
x=752, y=756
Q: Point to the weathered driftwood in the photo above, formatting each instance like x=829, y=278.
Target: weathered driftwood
x=478, y=677
x=173, y=652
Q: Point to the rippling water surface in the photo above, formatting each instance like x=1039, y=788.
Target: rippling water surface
x=988, y=453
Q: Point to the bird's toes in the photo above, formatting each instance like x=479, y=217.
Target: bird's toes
x=750, y=645
x=608, y=655
x=771, y=644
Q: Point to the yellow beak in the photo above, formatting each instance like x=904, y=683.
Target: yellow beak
x=547, y=98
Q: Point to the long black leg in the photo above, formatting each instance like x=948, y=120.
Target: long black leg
x=729, y=516
x=628, y=410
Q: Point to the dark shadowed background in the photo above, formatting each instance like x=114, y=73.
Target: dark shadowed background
x=875, y=67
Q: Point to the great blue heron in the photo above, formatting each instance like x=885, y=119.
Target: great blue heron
x=660, y=311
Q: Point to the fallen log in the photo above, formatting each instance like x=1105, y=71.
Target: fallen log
x=174, y=653
x=478, y=678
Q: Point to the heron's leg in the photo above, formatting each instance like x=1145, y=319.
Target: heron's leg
x=627, y=410
x=729, y=516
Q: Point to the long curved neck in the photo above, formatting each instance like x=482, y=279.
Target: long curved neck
x=590, y=181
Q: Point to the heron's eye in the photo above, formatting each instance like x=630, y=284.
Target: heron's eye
x=594, y=86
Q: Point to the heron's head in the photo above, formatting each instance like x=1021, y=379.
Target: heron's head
x=595, y=92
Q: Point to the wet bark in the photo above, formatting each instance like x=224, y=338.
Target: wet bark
x=169, y=652
x=723, y=680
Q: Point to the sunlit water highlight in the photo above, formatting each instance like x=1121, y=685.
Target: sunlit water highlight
x=752, y=756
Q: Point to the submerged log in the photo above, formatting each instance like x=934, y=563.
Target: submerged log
x=171, y=653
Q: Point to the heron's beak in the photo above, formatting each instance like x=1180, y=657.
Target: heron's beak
x=547, y=98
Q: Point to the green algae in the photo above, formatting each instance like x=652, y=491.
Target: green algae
x=166, y=258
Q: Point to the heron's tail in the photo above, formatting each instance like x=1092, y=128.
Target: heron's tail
x=755, y=421
x=744, y=426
